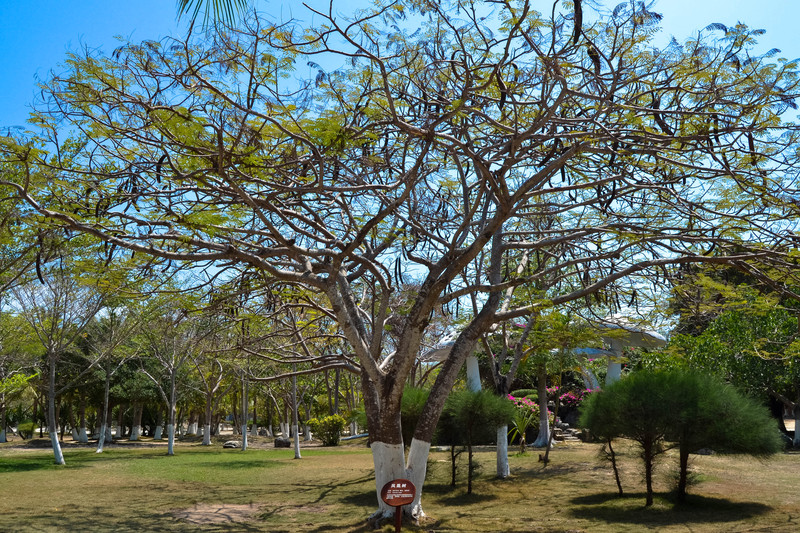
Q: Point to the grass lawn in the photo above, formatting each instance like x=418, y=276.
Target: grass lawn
x=332, y=489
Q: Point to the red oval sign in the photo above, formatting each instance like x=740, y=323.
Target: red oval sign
x=398, y=492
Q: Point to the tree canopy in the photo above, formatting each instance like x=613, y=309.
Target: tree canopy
x=439, y=143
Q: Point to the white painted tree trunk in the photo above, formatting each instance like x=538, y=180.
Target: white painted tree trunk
x=136, y=432
x=101, y=440
x=503, y=468
x=269, y=432
x=83, y=438
x=473, y=373
x=254, y=430
x=157, y=434
x=306, y=432
x=207, y=435
x=3, y=435
x=353, y=428
x=192, y=429
x=244, y=437
x=416, y=469
x=796, y=441
x=614, y=372
x=389, y=462
x=295, y=423
x=57, y=453
x=74, y=433
x=170, y=439
x=543, y=438
x=52, y=423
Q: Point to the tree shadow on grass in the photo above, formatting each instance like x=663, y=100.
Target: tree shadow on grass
x=613, y=509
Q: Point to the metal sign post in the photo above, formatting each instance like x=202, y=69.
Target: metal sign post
x=397, y=493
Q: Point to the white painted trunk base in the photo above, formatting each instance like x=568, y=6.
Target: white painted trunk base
x=192, y=430
x=170, y=439
x=389, y=463
x=157, y=434
x=416, y=469
x=796, y=441
x=306, y=433
x=296, y=434
x=3, y=435
x=74, y=434
x=100, y=440
x=244, y=437
x=82, y=436
x=136, y=432
x=57, y=453
x=254, y=431
x=207, y=435
x=503, y=469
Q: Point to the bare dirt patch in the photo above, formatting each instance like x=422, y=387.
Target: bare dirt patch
x=217, y=513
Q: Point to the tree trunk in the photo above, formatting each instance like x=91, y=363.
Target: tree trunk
x=254, y=430
x=295, y=424
x=158, y=433
x=83, y=438
x=207, y=426
x=503, y=468
x=171, y=413
x=648, y=457
x=3, y=417
x=101, y=437
x=336, y=383
x=684, y=471
x=136, y=424
x=613, y=457
x=543, y=438
x=52, y=423
x=796, y=413
x=245, y=405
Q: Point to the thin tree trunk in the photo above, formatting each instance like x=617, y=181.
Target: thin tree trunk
x=613, y=458
x=245, y=404
x=647, y=456
x=684, y=472
x=101, y=437
x=82, y=436
x=543, y=438
x=171, y=414
x=52, y=423
x=3, y=417
x=295, y=423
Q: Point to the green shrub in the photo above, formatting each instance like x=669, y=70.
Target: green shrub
x=25, y=429
x=328, y=429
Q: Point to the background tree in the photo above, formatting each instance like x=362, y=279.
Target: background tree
x=419, y=158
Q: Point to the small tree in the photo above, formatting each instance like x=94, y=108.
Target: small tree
x=689, y=409
x=472, y=416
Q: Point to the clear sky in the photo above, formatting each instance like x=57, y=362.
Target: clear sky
x=34, y=36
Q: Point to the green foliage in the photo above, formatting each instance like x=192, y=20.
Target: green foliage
x=328, y=429
x=526, y=415
x=471, y=417
x=411, y=407
x=26, y=429
x=690, y=409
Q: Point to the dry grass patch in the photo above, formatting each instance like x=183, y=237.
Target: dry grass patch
x=210, y=489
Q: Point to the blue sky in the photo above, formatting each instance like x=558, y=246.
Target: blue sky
x=34, y=36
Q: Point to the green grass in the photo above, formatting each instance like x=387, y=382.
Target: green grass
x=142, y=489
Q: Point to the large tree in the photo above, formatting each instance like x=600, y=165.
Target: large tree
x=425, y=137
